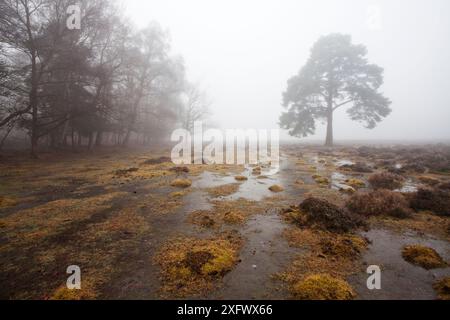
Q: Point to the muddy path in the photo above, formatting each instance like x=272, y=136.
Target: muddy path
x=264, y=253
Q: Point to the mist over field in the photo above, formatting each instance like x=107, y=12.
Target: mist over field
x=243, y=52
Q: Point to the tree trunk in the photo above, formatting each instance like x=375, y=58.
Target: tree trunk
x=98, y=139
x=329, y=141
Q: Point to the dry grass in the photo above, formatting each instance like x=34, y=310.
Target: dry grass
x=181, y=183
x=192, y=266
x=336, y=255
x=442, y=288
x=228, y=212
x=386, y=180
x=424, y=257
x=276, y=188
x=34, y=224
x=223, y=191
x=323, y=287
x=379, y=202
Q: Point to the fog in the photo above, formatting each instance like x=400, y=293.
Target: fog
x=243, y=52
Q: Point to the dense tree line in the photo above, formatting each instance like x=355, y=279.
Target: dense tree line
x=106, y=82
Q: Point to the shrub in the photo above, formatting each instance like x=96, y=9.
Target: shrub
x=434, y=200
x=325, y=215
x=379, y=202
x=386, y=180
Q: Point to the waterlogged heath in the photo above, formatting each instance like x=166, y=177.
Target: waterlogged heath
x=231, y=146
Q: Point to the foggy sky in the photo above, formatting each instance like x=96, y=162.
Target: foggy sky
x=243, y=53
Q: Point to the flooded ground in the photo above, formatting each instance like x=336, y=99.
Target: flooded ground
x=152, y=231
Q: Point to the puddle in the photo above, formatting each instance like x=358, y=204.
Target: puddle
x=265, y=253
x=338, y=181
x=400, y=280
x=344, y=162
x=408, y=187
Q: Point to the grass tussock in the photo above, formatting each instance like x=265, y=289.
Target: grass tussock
x=192, y=266
x=379, y=202
x=442, y=288
x=276, y=188
x=355, y=183
x=241, y=178
x=424, y=257
x=234, y=212
x=324, y=215
x=224, y=190
x=323, y=287
x=321, y=180
x=181, y=183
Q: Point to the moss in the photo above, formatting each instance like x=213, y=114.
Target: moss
x=124, y=172
x=180, y=169
x=386, y=180
x=442, y=288
x=422, y=256
x=222, y=191
x=7, y=202
x=323, y=287
x=356, y=183
x=63, y=293
x=191, y=265
x=181, y=183
x=234, y=217
x=257, y=171
x=348, y=246
x=276, y=188
x=241, y=178
x=321, y=180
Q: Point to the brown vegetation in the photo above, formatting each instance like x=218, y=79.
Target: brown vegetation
x=386, y=180
x=422, y=256
x=379, y=202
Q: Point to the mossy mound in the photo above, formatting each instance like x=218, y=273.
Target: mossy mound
x=320, y=180
x=356, y=183
x=323, y=287
x=327, y=216
x=64, y=294
x=344, y=247
x=192, y=265
x=435, y=200
x=422, y=256
x=234, y=217
x=180, y=169
x=181, y=183
x=379, y=202
x=241, y=178
x=276, y=188
x=125, y=172
x=386, y=180
x=442, y=288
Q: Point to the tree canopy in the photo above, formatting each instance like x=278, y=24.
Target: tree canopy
x=337, y=74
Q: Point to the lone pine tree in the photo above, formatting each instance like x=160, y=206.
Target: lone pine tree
x=336, y=75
